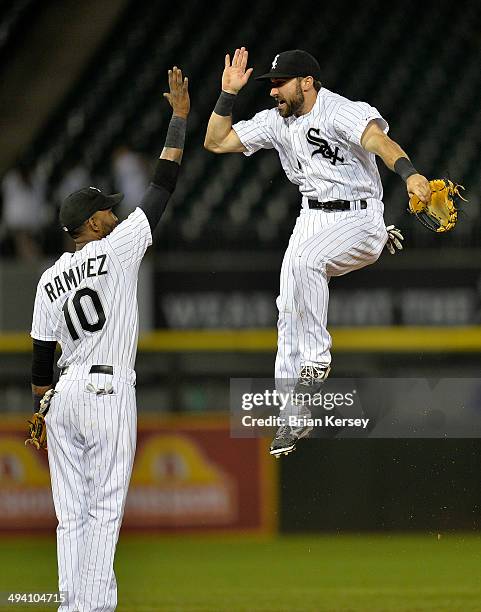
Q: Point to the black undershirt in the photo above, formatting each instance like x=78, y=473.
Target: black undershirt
x=159, y=191
x=42, y=362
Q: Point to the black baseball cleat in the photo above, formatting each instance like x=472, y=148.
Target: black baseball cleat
x=286, y=439
x=309, y=383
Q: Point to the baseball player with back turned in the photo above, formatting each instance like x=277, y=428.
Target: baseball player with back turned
x=327, y=146
x=87, y=302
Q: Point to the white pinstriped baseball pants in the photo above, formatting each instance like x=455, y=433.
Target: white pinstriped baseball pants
x=323, y=244
x=91, y=445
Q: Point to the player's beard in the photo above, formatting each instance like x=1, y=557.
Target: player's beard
x=292, y=107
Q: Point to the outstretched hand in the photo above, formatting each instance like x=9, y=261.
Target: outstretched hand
x=178, y=95
x=235, y=74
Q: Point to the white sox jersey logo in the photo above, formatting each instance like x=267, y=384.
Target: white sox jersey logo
x=331, y=132
x=323, y=147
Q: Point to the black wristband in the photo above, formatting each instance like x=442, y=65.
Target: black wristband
x=175, y=138
x=225, y=104
x=36, y=402
x=404, y=168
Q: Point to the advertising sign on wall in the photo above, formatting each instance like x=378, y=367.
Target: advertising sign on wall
x=373, y=296
x=188, y=475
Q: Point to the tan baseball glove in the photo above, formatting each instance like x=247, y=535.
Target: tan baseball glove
x=37, y=427
x=441, y=213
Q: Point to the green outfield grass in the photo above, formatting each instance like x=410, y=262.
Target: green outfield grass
x=343, y=573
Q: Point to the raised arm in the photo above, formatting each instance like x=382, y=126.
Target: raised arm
x=179, y=100
x=167, y=170
x=376, y=141
x=220, y=137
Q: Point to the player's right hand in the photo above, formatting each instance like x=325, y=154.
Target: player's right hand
x=235, y=75
x=178, y=95
x=418, y=185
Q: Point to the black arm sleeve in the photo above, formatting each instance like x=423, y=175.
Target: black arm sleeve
x=42, y=362
x=159, y=191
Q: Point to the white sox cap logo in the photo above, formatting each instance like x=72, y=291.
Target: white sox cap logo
x=274, y=63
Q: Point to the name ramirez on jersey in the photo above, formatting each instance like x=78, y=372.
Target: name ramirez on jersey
x=87, y=301
x=71, y=278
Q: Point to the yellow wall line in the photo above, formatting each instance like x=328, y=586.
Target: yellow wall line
x=356, y=339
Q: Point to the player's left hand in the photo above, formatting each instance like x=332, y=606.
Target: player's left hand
x=178, y=95
x=394, y=240
x=37, y=427
x=418, y=185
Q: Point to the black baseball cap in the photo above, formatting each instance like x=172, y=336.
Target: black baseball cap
x=82, y=204
x=295, y=63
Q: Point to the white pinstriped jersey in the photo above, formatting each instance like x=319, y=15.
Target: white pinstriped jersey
x=87, y=301
x=321, y=150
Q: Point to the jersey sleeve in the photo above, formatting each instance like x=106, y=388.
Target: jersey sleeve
x=352, y=119
x=42, y=327
x=131, y=238
x=255, y=133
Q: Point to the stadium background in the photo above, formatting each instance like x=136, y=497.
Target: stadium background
x=342, y=524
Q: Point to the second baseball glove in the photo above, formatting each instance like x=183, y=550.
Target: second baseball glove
x=441, y=213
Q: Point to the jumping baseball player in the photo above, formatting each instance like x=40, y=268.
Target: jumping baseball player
x=87, y=302
x=327, y=146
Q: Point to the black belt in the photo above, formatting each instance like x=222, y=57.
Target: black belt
x=334, y=205
x=95, y=369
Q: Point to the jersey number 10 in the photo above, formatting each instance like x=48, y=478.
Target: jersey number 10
x=77, y=304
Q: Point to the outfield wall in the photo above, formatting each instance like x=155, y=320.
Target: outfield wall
x=191, y=476
x=188, y=475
